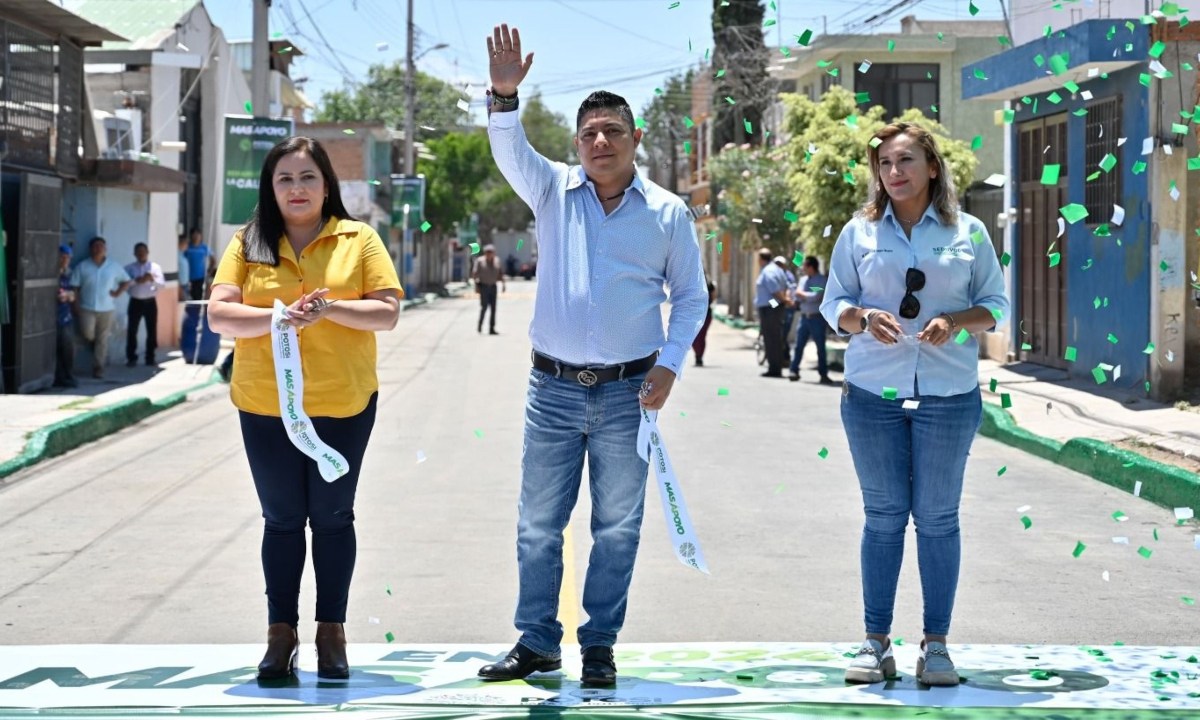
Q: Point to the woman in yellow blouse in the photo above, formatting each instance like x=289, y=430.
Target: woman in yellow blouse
x=339, y=286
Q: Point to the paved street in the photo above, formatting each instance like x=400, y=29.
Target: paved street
x=151, y=535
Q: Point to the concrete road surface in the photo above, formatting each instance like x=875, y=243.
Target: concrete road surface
x=152, y=535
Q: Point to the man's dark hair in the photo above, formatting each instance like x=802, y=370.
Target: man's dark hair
x=141, y=246
x=95, y=240
x=604, y=100
x=765, y=254
x=261, y=236
x=812, y=262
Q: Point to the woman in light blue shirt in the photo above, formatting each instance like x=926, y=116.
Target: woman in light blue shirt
x=911, y=278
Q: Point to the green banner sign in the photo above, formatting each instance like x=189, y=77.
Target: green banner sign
x=247, y=142
x=408, y=190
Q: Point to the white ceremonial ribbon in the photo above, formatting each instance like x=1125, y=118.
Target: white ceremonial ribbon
x=653, y=449
x=289, y=378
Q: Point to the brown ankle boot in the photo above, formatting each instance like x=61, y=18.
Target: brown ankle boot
x=331, y=651
x=283, y=648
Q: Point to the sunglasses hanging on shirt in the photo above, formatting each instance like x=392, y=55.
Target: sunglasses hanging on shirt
x=914, y=281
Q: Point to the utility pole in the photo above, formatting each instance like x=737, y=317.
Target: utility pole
x=260, y=67
x=410, y=98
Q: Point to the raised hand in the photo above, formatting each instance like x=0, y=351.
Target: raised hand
x=504, y=60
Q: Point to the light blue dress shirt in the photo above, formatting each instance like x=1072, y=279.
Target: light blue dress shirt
x=95, y=282
x=771, y=279
x=600, y=277
x=867, y=270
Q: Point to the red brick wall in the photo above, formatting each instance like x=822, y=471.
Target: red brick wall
x=347, y=157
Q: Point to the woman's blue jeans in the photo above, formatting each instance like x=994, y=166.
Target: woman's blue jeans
x=564, y=422
x=910, y=462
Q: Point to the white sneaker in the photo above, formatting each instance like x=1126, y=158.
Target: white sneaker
x=872, y=664
x=934, y=666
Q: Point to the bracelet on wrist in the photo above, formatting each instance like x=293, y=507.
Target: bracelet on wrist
x=503, y=99
x=950, y=319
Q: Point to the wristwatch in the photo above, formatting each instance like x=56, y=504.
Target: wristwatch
x=865, y=320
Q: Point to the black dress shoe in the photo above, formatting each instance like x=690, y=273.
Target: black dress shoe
x=599, y=668
x=773, y=374
x=521, y=661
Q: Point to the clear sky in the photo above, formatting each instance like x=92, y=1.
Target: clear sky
x=626, y=46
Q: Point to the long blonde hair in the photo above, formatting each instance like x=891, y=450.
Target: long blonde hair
x=942, y=194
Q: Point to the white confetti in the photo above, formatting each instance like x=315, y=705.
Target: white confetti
x=1184, y=513
x=1086, y=94
x=910, y=404
x=1174, y=194
x=1062, y=227
x=1024, y=508
x=1121, y=141
x=1137, y=489
x=1121, y=540
x=464, y=105
x=812, y=149
x=1093, y=72
x=1148, y=146
x=1159, y=69
x=1118, y=215
x=1168, y=150
x=996, y=180
x=1170, y=356
x=373, y=620
x=381, y=46
x=1197, y=542
x=1116, y=373
x=1104, y=576
x=773, y=303
x=865, y=66
x=828, y=229
x=1121, y=518
x=182, y=47
x=756, y=220
x=421, y=457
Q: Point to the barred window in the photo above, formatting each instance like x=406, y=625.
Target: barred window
x=900, y=86
x=27, y=99
x=1103, y=129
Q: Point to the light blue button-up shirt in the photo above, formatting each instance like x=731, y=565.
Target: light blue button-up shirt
x=771, y=279
x=600, y=277
x=867, y=270
x=95, y=282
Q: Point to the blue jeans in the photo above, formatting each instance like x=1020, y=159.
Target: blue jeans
x=564, y=421
x=910, y=462
x=814, y=328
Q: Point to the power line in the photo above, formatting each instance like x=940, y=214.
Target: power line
x=625, y=30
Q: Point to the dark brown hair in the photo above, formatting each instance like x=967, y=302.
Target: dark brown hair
x=261, y=235
x=942, y=194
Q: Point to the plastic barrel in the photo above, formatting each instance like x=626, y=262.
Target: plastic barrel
x=209, y=342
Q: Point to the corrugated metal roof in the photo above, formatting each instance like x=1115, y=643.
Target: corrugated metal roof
x=144, y=22
x=47, y=17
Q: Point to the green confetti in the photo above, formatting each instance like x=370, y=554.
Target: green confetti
x=890, y=393
x=1026, y=346
x=862, y=97
x=1054, y=98
x=891, y=45
x=474, y=248
x=1112, y=338
x=390, y=637
x=1070, y=353
x=1005, y=259
x=721, y=73
x=1055, y=259
x=425, y=226
x=689, y=123
x=639, y=123
x=1073, y=213
x=520, y=242
x=1156, y=50
x=687, y=147
x=875, y=142
x=1079, y=548
x=977, y=237
x=1187, y=600
x=980, y=74
x=804, y=38
x=730, y=100
x=347, y=131
x=798, y=258
x=1149, y=349
x=1138, y=168
x=1050, y=173
x=387, y=589
x=1009, y=116
x=749, y=127
x=962, y=336
x=1155, y=534
x=1108, y=163
x=972, y=9
x=1118, y=516
x=1164, y=266
x=993, y=384
x=721, y=392
x=1005, y=400
x=249, y=108
x=1003, y=469
x=479, y=433
x=1059, y=63
x=1099, y=376
x=1145, y=552
x=1026, y=521
x=790, y=216
x=823, y=453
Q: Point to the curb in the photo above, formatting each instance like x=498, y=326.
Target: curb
x=735, y=323
x=64, y=435
x=1162, y=484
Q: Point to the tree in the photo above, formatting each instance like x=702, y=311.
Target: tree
x=666, y=128
x=740, y=57
x=455, y=181
x=381, y=99
x=754, y=201
x=827, y=154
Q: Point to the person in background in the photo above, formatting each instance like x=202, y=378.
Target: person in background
x=771, y=300
x=184, y=275
x=809, y=293
x=97, y=282
x=701, y=342
x=143, y=303
x=487, y=273
x=64, y=356
x=200, y=263
x=303, y=248
x=789, y=308
x=906, y=279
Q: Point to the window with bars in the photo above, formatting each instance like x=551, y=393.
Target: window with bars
x=27, y=100
x=1103, y=188
x=900, y=86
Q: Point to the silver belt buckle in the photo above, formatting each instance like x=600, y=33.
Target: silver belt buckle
x=586, y=378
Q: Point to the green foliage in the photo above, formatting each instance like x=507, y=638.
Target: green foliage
x=381, y=99
x=753, y=188
x=455, y=180
x=826, y=160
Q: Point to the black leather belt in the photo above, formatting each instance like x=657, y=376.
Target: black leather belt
x=810, y=315
x=594, y=375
